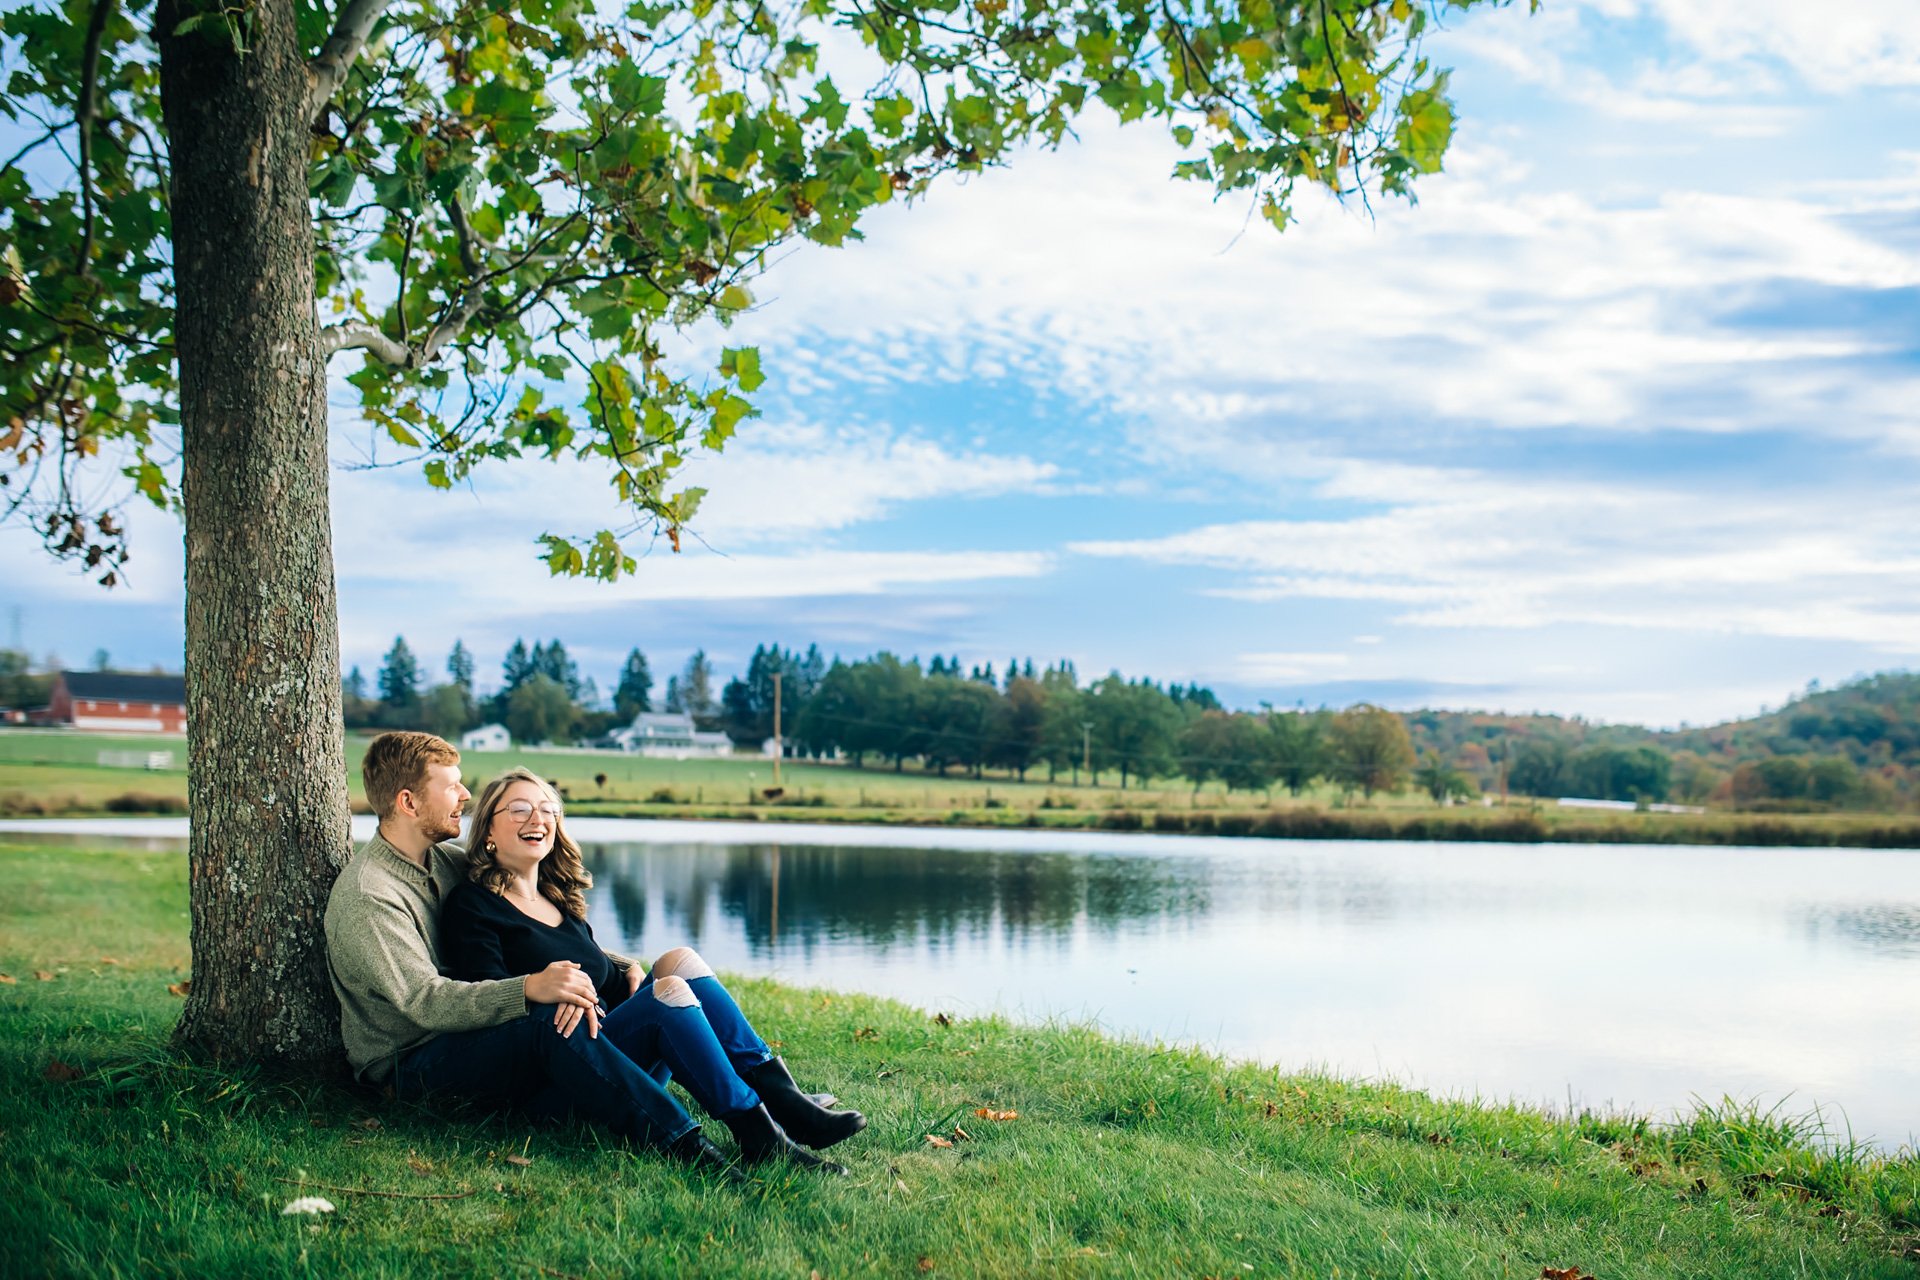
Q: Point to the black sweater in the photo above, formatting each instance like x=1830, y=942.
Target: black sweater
x=483, y=936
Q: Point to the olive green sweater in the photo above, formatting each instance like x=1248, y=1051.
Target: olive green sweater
x=383, y=950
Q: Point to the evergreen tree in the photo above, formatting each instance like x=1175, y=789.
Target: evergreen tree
x=696, y=686
x=355, y=685
x=515, y=670
x=674, y=702
x=554, y=663
x=635, y=693
x=400, y=676
x=460, y=668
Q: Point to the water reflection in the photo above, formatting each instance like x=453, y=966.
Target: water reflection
x=799, y=897
x=1889, y=928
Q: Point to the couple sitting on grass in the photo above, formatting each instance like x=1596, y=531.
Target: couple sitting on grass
x=472, y=974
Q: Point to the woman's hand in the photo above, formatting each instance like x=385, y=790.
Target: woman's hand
x=563, y=983
x=635, y=976
x=568, y=1016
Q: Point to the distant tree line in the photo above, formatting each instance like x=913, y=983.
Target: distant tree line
x=1856, y=746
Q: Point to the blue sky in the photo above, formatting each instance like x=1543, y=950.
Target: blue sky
x=1621, y=420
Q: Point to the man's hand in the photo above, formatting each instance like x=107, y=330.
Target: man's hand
x=562, y=983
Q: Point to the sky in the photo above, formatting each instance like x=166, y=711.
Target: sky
x=1621, y=419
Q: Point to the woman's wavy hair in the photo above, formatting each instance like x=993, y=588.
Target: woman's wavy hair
x=564, y=879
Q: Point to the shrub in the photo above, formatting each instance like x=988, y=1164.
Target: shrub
x=143, y=802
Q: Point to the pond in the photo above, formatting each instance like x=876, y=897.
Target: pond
x=1616, y=977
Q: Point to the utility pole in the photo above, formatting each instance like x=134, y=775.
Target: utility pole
x=1086, y=750
x=779, y=747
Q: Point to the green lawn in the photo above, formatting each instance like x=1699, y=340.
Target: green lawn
x=1124, y=1158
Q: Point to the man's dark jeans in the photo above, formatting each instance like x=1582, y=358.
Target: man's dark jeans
x=526, y=1064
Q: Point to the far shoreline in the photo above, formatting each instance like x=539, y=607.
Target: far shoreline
x=1438, y=826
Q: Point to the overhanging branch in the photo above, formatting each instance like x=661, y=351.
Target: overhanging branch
x=357, y=335
x=328, y=70
x=83, y=120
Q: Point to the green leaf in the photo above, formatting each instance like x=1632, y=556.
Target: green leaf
x=742, y=364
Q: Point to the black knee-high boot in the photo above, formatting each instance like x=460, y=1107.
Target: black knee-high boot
x=805, y=1120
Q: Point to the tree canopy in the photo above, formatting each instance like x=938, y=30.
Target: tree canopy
x=513, y=203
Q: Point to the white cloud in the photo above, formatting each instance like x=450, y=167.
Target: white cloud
x=1286, y=666
x=1493, y=303
x=785, y=479
x=1836, y=45
x=1470, y=551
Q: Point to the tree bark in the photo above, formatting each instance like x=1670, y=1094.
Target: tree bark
x=266, y=774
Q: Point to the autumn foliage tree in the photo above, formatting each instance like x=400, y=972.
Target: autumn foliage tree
x=486, y=217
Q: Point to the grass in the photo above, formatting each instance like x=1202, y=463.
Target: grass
x=1124, y=1159
x=53, y=773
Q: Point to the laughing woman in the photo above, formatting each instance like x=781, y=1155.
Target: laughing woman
x=525, y=907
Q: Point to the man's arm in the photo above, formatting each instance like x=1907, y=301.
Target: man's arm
x=380, y=957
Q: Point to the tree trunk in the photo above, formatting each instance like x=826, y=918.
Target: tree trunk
x=266, y=776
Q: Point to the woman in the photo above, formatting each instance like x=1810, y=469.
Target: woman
x=525, y=907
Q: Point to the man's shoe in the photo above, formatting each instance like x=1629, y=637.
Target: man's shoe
x=696, y=1151
x=804, y=1119
x=761, y=1140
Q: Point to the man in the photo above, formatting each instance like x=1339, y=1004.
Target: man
x=529, y=1042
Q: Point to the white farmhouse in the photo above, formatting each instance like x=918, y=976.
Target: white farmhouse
x=670, y=734
x=488, y=737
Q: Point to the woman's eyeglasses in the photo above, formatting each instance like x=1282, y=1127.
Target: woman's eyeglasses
x=522, y=813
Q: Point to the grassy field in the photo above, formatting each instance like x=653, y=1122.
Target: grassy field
x=1124, y=1158
x=52, y=773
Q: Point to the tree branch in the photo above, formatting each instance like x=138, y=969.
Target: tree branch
x=83, y=118
x=364, y=337
x=328, y=70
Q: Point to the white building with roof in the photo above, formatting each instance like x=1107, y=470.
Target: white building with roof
x=671, y=735
x=488, y=737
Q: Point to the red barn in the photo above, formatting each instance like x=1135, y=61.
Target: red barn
x=114, y=703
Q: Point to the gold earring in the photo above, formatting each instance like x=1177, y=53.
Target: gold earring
x=490, y=848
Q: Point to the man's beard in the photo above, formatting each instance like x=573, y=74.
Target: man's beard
x=445, y=827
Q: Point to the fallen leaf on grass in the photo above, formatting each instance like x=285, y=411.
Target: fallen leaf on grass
x=1570, y=1273
x=180, y=988
x=988, y=1113
x=8, y=979
x=519, y=1162
x=943, y=1020
x=1271, y=1111
x=961, y=1135
x=108, y=960
x=421, y=1168
x=43, y=975
x=935, y=1140
x=866, y=1033
x=925, y=1263
x=368, y=1123
x=61, y=1072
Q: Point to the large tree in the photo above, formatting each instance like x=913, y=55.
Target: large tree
x=463, y=209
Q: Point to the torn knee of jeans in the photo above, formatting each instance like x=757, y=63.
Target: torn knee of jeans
x=681, y=962
x=674, y=992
